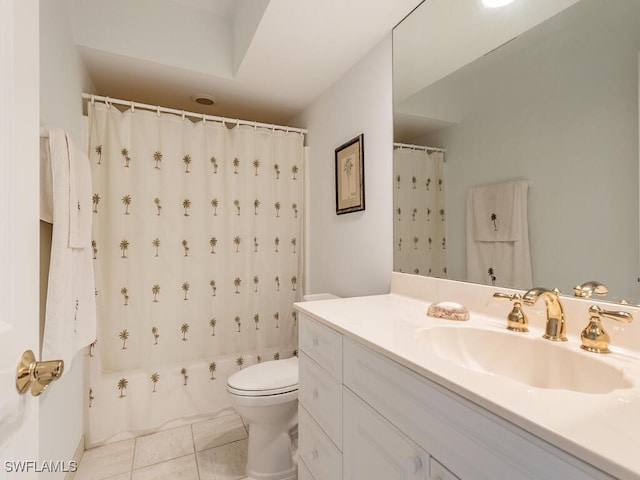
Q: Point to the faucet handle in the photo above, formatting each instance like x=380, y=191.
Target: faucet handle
x=594, y=338
x=587, y=289
x=516, y=320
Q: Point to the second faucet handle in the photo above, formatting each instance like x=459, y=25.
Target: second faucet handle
x=594, y=338
x=587, y=289
x=516, y=320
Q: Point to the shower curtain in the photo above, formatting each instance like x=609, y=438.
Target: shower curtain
x=197, y=248
x=419, y=217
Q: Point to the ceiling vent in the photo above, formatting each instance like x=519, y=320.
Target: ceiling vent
x=206, y=100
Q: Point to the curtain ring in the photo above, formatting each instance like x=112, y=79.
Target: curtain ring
x=237, y=123
x=158, y=110
x=183, y=115
x=255, y=126
x=204, y=119
x=93, y=99
x=133, y=107
x=273, y=128
x=107, y=102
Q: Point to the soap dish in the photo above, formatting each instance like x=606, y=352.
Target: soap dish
x=448, y=310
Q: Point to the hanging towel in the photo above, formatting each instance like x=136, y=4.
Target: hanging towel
x=46, y=179
x=80, y=206
x=498, y=235
x=495, y=218
x=70, y=316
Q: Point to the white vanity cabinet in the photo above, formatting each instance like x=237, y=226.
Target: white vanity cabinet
x=320, y=402
x=388, y=422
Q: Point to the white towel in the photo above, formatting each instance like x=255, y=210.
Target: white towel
x=495, y=218
x=46, y=179
x=70, y=317
x=80, y=203
x=499, y=256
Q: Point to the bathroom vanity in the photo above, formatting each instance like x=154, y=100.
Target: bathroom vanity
x=380, y=400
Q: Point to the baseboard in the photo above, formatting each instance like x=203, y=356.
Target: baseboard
x=77, y=456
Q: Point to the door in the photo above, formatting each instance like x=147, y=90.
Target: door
x=19, y=229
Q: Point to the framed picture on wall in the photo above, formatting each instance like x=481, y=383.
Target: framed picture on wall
x=350, y=176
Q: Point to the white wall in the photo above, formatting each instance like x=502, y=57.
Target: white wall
x=351, y=254
x=62, y=79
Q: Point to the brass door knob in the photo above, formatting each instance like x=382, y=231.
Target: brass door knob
x=36, y=376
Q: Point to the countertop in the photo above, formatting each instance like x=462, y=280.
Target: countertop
x=602, y=430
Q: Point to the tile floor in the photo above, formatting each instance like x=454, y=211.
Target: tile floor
x=213, y=450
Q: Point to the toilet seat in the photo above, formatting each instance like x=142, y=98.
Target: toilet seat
x=275, y=377
x=261, y=393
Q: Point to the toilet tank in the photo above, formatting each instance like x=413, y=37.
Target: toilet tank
x=318, y=296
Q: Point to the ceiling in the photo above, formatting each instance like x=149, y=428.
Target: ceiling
x=262, y=60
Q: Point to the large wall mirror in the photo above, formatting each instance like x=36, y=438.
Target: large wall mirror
x=541, y=91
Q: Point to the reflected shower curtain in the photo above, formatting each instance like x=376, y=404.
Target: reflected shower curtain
x=197, y=247
x=419, y=219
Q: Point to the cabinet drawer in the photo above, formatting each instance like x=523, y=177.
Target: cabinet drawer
x=321, y=395
x=303, y=471
x=439, y=471
x=322, y=344
x=374, y=449
x=316, y=451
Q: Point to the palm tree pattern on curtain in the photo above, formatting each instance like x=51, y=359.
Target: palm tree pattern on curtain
x=185, y=268
x=419, y=216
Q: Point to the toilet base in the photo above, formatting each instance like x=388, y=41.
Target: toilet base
x=269, y=454
x=290, y=475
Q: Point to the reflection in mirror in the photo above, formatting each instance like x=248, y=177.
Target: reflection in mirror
x=419, y=222
x=556, y=107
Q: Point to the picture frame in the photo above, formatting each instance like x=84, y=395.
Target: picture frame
x=349, y=161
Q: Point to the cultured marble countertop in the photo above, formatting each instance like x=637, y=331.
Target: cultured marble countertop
x=602, y=430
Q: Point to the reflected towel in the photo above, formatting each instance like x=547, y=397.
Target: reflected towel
x=506, y=260
x=495, y=218
x=70, y=317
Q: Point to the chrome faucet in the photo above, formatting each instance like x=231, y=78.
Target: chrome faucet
x=556, y=325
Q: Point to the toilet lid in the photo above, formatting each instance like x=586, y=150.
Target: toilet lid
x=267, y=378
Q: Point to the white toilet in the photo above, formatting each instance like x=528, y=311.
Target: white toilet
x=266, y=395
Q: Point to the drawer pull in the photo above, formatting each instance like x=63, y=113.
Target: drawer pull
x=315, y=394
x=314, y=454
x=412, y=466
x=315, y=342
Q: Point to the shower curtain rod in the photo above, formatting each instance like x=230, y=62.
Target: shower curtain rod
x=107, y=100
x=419, y=147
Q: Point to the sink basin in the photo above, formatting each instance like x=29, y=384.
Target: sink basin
x=524, y=358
